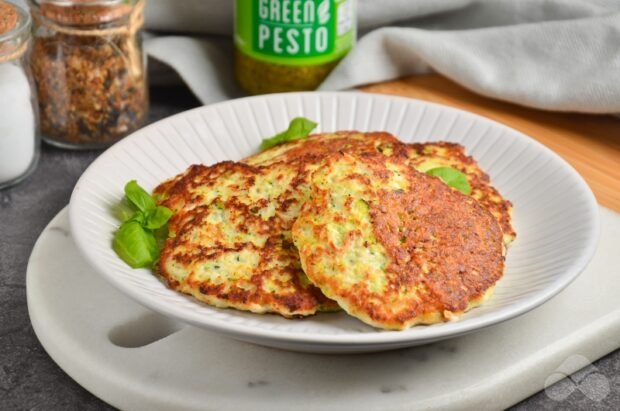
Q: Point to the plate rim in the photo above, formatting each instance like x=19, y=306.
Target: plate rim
x=383, y=337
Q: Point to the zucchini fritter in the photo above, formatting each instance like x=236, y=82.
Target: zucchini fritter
x=230, y=238
x=393, y=246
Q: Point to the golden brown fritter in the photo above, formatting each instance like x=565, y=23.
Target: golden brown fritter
x=393, y=246
x=230, y=238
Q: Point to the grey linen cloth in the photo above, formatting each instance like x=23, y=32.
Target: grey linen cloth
x=559, y=55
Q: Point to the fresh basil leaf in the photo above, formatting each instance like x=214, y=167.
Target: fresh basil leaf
x=144, y=230
x=138, y=197
x=123, y=211
x=300, y=127
x=158, y=217
x=139, y=217
x=452, y=177
x=135, y=245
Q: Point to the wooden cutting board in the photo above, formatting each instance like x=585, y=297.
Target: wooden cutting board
x=591, y=143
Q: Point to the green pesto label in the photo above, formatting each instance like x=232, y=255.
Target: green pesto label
x=295, y=32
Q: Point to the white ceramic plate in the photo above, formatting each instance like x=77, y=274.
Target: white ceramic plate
x=555, y=213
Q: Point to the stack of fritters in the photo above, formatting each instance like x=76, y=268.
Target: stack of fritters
x=429, y=255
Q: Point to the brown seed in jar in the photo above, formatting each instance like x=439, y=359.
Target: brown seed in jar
x=8, y=17
x=92, y=89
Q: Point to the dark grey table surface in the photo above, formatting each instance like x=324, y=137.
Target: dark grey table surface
x=30, y=380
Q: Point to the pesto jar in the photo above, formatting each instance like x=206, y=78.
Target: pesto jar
x=290, y=45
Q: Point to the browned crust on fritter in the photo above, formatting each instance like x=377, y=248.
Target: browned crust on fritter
x=482, y=190
x=191, y=214
x=440, y=243
x=457, y=237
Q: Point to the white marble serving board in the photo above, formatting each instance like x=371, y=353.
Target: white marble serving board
x=135, y=359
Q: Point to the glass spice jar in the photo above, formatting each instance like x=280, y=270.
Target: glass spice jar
x=19, y=137
x=89, y=69
x=291, y=45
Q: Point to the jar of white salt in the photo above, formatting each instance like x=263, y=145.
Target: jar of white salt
x=19, y=137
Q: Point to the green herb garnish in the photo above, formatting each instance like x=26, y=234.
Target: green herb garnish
x=299, y=128
x=138, y=197
x=158, y=217
x=452, y=177
x=138, y=239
